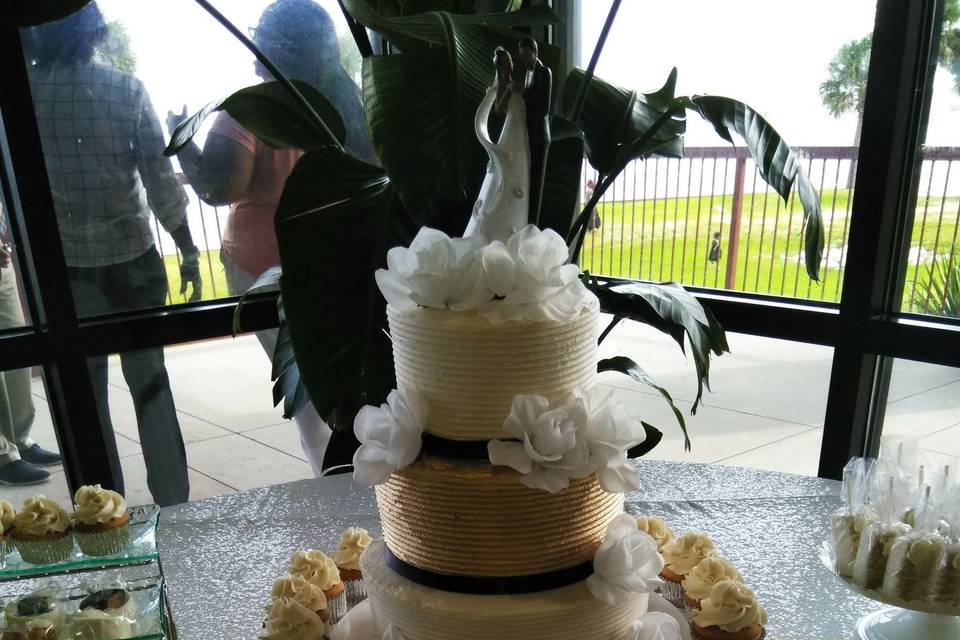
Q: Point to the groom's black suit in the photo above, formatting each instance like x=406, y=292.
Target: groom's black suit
x=537, y=98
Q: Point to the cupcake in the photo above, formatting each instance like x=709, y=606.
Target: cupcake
x=698, y=584
x=298, y=589
x=353, y=542
x=731, y=612
x=101, y=522
x=41, y=531
x=320, y=570
x=38, y=610
x=657, y=529
x=104, y=615
x=7, y=516
x=680, y=556
x=290, y=620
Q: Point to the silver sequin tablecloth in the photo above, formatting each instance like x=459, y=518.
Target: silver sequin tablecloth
x=222, y=555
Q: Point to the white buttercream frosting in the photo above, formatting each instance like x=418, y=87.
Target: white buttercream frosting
x=96, y=505
x=301, y=590
x=657, y=529
x=353, y=542
x=290, y=620
x=698, y=583
x=316, y=567
x=685, y=552
x=40, y=516
x=627, y=562
x=731, y=606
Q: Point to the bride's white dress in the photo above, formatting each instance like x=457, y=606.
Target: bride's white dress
x=502, y=208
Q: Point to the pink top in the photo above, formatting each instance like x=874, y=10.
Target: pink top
x=249, y=239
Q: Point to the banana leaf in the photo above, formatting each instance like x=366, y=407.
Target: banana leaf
x=561, y=186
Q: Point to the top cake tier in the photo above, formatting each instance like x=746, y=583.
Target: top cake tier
x=469, y=370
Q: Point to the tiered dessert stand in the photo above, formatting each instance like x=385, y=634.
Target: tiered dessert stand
x=138, y=565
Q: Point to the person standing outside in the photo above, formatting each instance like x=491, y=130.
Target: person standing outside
x=103, y=146
x=21, y=459
x=236, y=168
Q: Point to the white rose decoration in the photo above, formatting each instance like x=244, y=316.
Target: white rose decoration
x=550, y=451
x=392, y=633
x=627, y=562
x=436, y=271
x=389, y=435
x=656, y=625
x=610, y=432
x=531, y=278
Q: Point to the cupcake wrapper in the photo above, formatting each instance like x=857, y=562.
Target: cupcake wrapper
x=103, y=543
x=696, y=636
x=355, y=592
x=6, y=547
x=673, y=592
x=45, y=551
x=337, y=607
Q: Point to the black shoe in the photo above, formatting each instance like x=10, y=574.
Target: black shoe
x=20, y=473
x=40, y=457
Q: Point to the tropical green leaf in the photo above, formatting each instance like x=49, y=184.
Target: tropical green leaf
x=613, y=117
x=561, y=186
x=267, y=282
x=654, y=436
x=421, y=107
x=30, y=13
x=271, y=113
x=626, y=366
x=288, y=385
x=336, y=219
x=672, y=310
x=777, y=163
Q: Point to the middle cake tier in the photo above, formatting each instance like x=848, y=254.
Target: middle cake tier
x=473, y=519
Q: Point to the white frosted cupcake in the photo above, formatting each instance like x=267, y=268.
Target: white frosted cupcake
x=698, y=584
x=657, y=529
x=101, y=522
x=290, y=620
x=7, y=516
x=41, y=531
x=680, y=557
x=353, y=542
x=320, y=570
x=297, y=588
x=730, y=613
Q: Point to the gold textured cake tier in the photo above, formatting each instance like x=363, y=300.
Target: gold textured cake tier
x=469, y=370
x=473, y=519
x=417, y=612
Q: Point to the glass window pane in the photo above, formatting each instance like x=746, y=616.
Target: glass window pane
x=923, y=404
x=14, y=312
x=29, y=454
x=198, y=420
x=766, y=410
x=709, y=219
x=141, y=230
x=932, y=277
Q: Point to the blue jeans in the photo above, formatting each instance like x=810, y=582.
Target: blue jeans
x=140, y=283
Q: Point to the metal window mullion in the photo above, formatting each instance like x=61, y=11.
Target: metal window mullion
x=899, y=84
x=85, y=445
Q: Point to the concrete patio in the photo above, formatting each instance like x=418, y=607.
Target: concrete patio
x=766, y=411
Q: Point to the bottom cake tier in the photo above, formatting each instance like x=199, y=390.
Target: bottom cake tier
x=423, y=613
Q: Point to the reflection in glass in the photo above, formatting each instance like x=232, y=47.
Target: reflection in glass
x=923, y=405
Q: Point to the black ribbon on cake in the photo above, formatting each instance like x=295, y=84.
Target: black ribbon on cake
x=489, y=585
x=477, y=449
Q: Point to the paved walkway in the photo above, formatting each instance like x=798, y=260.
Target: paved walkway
x=766, y=411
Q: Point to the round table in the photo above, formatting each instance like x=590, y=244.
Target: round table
x=221, y=556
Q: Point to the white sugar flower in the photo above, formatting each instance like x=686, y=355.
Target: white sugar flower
x=610, y=432
x=627, y=562
x=392, y=633
x=389, y=435
x=436, y=271
x=550, y=451
x=531, y=278
x=655, y=625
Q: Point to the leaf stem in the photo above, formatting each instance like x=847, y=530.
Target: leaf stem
x=574, y=114
x=610, y=327
x=272, y=68
x=359, y=32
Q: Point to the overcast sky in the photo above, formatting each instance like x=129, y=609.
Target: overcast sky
x=771, y=54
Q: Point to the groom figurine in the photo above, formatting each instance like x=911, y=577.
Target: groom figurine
x=537, y=88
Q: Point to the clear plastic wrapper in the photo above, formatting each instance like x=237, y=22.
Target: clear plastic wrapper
x=946, y=589
x=913, y=563
x=870, y=567
x=35, y=616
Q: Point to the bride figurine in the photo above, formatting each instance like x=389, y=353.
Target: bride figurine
x=502, y=207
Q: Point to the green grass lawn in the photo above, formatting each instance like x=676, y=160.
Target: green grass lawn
x=211, y=270
x=669, y=239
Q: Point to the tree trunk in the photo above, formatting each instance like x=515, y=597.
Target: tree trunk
x=852, y=175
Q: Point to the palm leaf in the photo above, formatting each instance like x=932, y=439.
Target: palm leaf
x=269, y=111
x=777, y=163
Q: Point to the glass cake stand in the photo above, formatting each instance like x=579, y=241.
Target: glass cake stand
x=902, y=620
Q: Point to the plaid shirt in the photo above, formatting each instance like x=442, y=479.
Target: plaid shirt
x=103, y=147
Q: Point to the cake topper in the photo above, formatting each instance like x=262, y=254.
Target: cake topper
x=537, y=94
